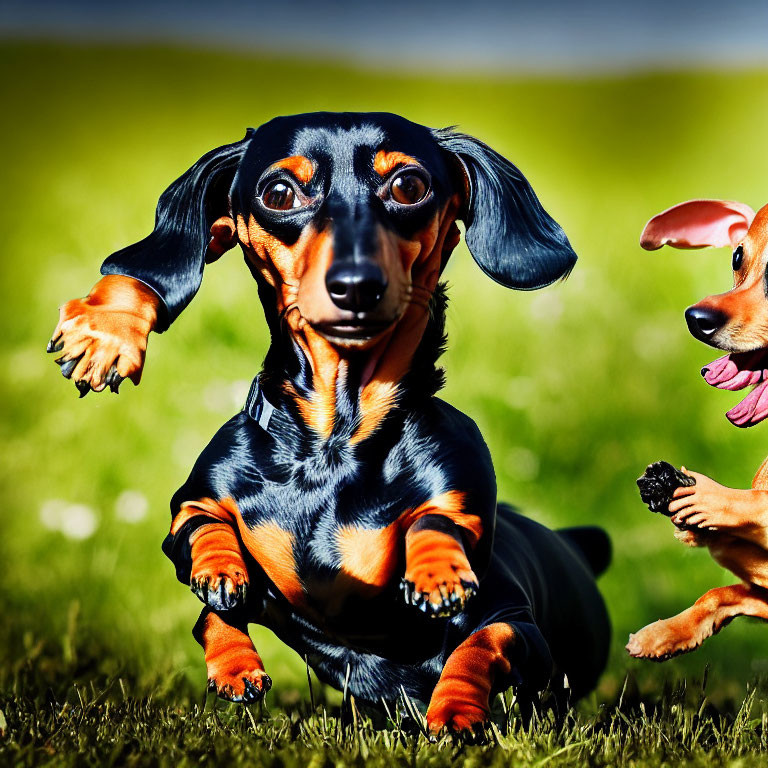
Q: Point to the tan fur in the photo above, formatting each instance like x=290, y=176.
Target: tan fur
x=298, y=272
x=108, y=327
x=461, y=699
x=369, y=557
x=731, y=523
x=231, y=659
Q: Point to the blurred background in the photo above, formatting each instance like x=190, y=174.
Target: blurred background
x=614, y=111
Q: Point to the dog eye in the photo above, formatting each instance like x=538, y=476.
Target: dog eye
x=279, y=196
x=738, y=257
x=408, y=188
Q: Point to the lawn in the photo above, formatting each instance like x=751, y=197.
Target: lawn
x=576, y=388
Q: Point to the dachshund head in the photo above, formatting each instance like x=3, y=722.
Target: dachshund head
x=352, y=217
x=737, y=320
x=346, y=221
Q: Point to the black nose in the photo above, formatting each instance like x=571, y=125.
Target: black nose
x=357, y=287
x=704, y=322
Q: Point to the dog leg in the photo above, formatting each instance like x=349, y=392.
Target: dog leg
x=707, y=616
x=461, y=699
x=438, y=577
x=235, y=669
x=219, y=575
x=102, y=339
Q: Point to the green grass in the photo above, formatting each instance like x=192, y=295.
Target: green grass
x=109, y=722
x=576, y=388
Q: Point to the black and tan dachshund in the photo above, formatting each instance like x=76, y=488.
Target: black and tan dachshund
x=346, y=507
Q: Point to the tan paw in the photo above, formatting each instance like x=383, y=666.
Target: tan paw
x=241, y=685
x=661, y=641
x=455, y=715
x=222, y=587
x=102, y=339
x=438, y=579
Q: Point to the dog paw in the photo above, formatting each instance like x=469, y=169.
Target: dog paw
x=242, y=686
x=661, y=641
x=102, y=339
x=221, y=591
x=440, y=591
x=456, y=716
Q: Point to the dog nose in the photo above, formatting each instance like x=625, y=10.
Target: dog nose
x=703, y=322
x=355, y=287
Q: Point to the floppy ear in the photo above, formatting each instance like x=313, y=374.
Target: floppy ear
x=193, y=225
x=698, y=224
x=510, y=236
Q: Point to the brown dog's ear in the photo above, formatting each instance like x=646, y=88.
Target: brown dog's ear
x=698, y=224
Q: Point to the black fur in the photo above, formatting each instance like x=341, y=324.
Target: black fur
x=658, y=484
x=170, y=260
x=538, y=581
x=511, y=237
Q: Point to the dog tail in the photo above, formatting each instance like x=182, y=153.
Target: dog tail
x=593, y=543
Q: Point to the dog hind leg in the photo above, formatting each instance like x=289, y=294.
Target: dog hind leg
x=708, y=615
x=235, y=669
x=461, y=699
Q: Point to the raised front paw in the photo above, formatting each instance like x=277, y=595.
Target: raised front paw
x=662, y=640
x=440, y=589
x=102, y=339
x=242, y=684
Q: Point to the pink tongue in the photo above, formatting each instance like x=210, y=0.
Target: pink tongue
x=723, y=373
x=752, y=409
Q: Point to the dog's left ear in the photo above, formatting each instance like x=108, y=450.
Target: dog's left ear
x=698, y=224
x=510, y=236
x=193, y=227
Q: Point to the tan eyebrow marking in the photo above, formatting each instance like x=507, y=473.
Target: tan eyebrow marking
x=301, y=167
x=385, y=162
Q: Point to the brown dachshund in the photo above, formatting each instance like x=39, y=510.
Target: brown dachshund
x=732, y=523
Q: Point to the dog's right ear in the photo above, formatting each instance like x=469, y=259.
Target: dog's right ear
x=193, y=225
x=508, y=232
x=698, y=224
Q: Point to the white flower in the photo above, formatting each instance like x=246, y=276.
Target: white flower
x=75, y=521
x=131, y=506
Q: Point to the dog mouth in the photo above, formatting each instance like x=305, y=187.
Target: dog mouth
x=355, y=331
x=739, y=370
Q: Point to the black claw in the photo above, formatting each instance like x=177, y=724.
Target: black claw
x=201, y=590
x=67, y=366
x=251, y=693
x=54, y=347
x=83, y=387
x=113, y=379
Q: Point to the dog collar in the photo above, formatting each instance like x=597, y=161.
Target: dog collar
x=258, y=407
